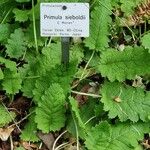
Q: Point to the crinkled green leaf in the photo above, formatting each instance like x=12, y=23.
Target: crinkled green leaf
x=20, y=15
x=5, y=116
x=16, y=45
x=38, y=67
x=50, y=113
x=30, y=130
x=145, y=41
x=76, y=53
x=8, y=64
x=122, y=136
x=59, y=75
x=121, y=65
x=125, y=102
x=99, y=29
x=4, y=32
x=12, y=82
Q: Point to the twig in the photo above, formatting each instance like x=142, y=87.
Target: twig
x=16, y=123
x=55, y=142
x=86, y=94
x=87, y=65
x=11, y=142
x=11, y=117
x=62, y=146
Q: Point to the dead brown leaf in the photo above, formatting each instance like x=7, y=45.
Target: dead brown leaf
x=5, y=133
x=48, y=139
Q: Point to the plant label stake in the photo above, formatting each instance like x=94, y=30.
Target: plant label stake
x=64, y=20
x=65, y=44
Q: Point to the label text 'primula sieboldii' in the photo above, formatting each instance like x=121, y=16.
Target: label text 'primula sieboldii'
x=72, y=17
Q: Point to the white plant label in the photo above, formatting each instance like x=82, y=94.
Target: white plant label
x=64, y=19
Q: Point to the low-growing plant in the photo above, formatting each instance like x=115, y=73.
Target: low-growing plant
x=102, y=99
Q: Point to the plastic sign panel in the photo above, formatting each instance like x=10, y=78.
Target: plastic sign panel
x=64, y=19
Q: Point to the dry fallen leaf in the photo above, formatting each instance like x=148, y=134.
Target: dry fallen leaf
x=5, y=133
x=48, y=139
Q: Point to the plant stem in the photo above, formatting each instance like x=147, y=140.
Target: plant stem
x=34, y=27
x=87, y=65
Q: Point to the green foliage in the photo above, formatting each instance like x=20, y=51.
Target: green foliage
x=55, y=75
x=4, y=32
x=145, y=41
x=121, y=65
x=129, y=6
x=76, y=112
x=83, y=116
x=6, y=117
x=30, y=66
x=50, y=113
x=99, y=29
x=125, y=102
x=12, y=82
x=1, y=74
x=16, y=45
x=11, y=65
x=116, y=137
x=20, y=15
x=45, y=69
x=30, y=130
x=29, y=36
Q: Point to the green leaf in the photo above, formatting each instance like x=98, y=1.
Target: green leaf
x=39, y=66
x=20, y=15
x=99, y=29
x=5, y=116
x=50, y=113
x=8, y=64
x=30, y=130
x=125, y=102
x=76, y=111
x=12, y=82
x=4, y=32
x=76, y=53
x=145, y=41
x=29, y=35
x=56, y=75
x=121, y=65
x=1, y=74
x=129, y=6
x=83, y=117
x=16, y=45
x=122, y=136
